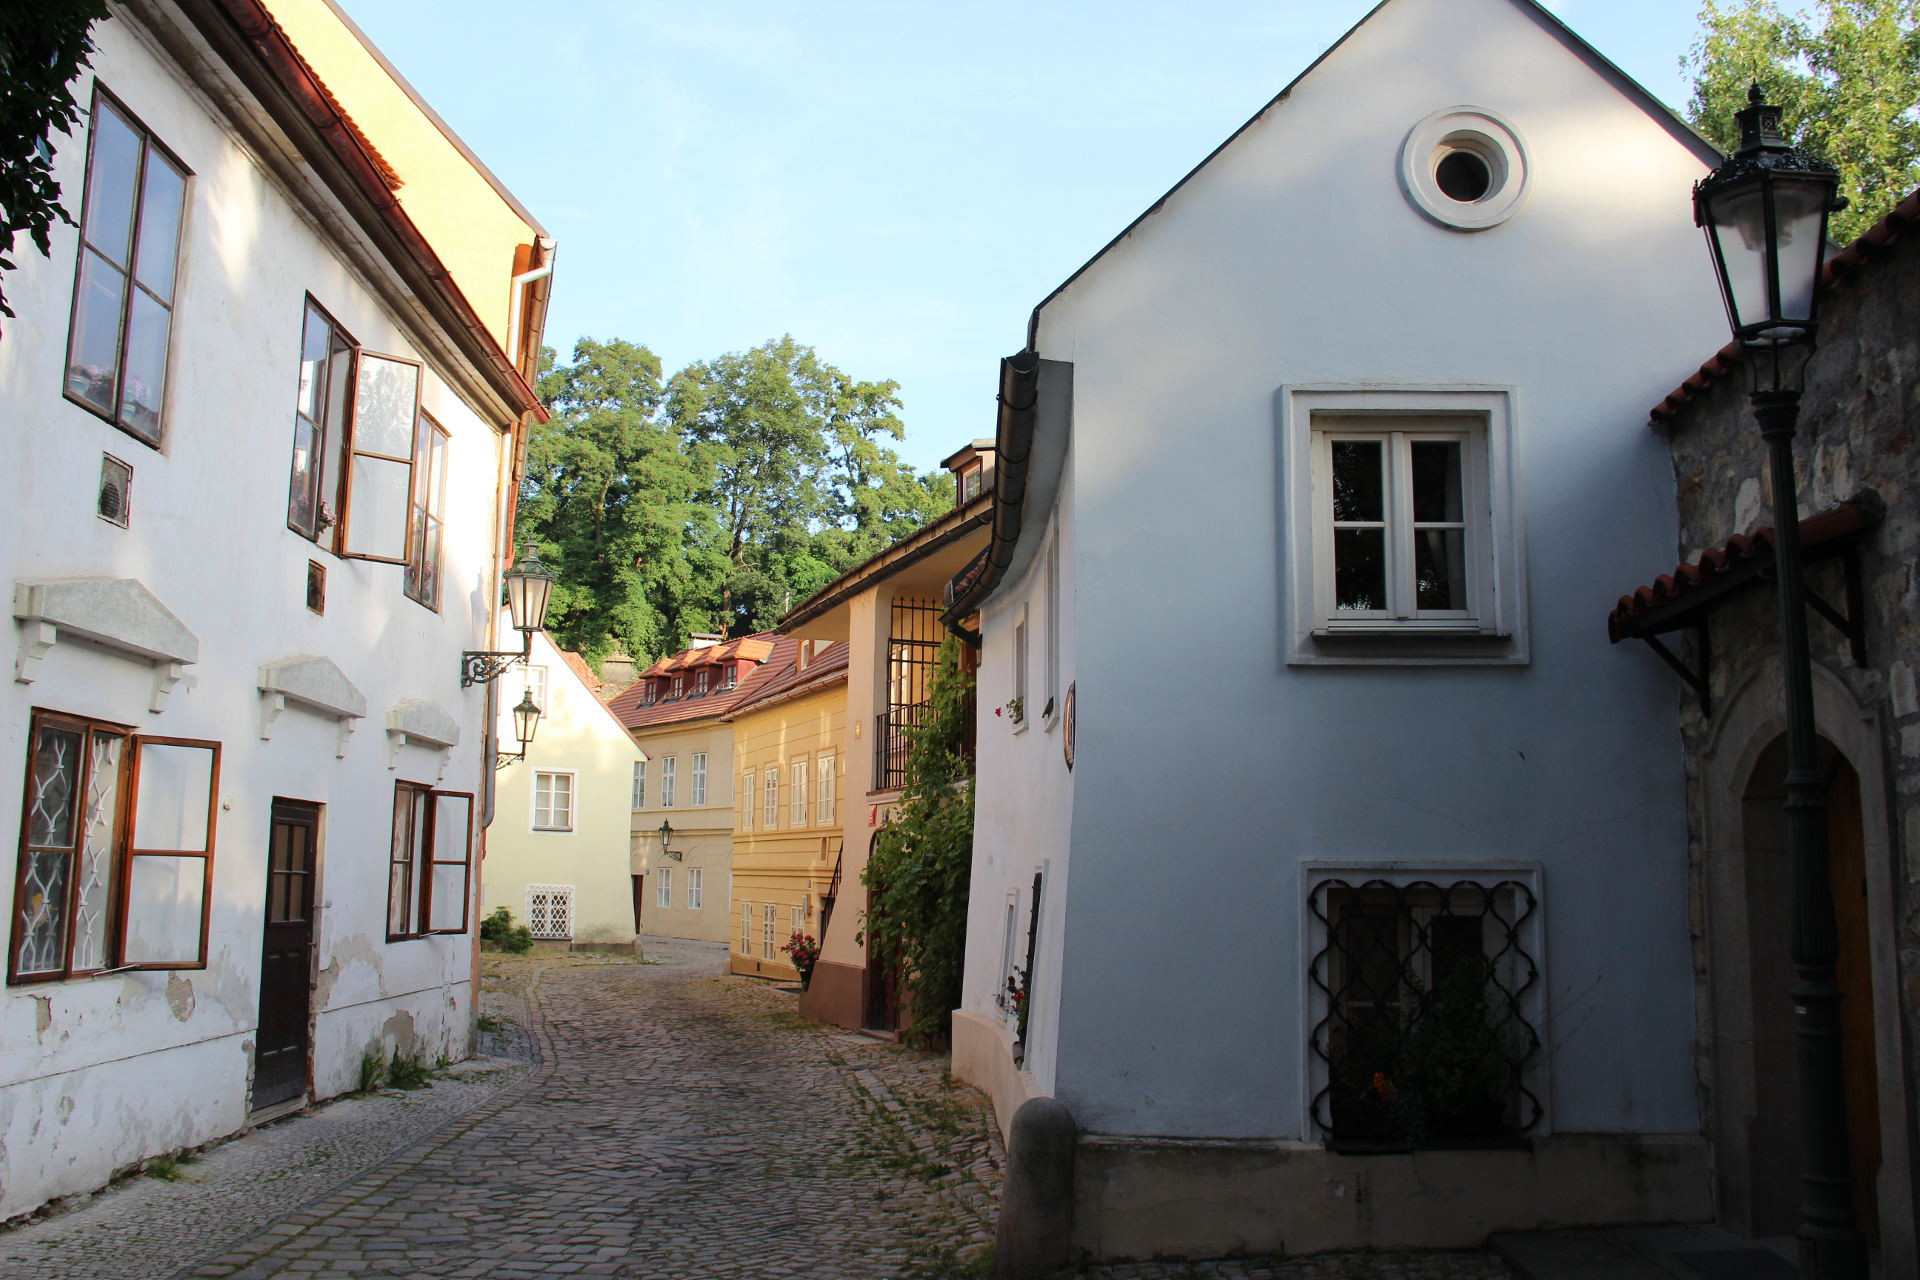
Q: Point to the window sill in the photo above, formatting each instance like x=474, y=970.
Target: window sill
x=1407, y=647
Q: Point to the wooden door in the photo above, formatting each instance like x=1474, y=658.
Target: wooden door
x=286, y=961
x=1853, y=974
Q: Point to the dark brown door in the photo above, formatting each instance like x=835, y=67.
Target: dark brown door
x=286, y=962
x=1853, y=972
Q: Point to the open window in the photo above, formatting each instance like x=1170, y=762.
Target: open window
x=430, y=862
x=116, y=851
x=379, y=493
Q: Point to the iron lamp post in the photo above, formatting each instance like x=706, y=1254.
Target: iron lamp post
x=526, y=719
x=529, y=588
x=1765, y=215
x=666, y=835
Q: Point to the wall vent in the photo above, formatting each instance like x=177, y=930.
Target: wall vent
x=116, y=491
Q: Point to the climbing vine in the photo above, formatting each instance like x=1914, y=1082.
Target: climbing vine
x=917, y=878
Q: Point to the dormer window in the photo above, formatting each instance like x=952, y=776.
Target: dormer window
x=700, y=683
x=730, y=677
x=969, y=483
x=679, y=686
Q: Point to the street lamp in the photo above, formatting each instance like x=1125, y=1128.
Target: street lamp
x=666, y=834
x=526, y=718
x=529, y=588
x=1765, y=214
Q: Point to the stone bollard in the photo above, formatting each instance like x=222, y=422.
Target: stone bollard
x=1036, y=1200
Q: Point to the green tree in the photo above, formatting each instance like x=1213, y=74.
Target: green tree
x=1847, y=80
x=917, y=878
x=608, y=495
x=43, y=45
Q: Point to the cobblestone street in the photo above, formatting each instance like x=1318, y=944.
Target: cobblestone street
x=645, y=1120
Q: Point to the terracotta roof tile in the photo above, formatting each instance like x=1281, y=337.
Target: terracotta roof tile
x=773, y=653
x=828, y=667
x=1870, y=242
x=1736, y=553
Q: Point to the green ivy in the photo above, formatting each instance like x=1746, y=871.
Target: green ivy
x=918, y=876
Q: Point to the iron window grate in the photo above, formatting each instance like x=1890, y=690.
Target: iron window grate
x=1425, y=1039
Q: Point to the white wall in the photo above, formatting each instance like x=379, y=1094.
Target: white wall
x=98, y=1072
x=1210, y=770
x=580, y=737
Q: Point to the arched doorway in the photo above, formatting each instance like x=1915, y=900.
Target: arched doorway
x=1769, y=1201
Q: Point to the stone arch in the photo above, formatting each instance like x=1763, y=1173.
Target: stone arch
x=1749, y=724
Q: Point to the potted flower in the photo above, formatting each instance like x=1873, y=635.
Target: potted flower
x=803, y=953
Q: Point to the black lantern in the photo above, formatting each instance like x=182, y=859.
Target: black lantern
x=529, y=588
x=666, y=836
x=526, y=718
x=1765, y=213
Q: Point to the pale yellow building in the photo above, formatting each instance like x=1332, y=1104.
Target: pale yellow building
x=789, y=759
x=557, y=850
x=681, y=800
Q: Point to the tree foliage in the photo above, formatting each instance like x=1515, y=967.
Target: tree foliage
x=713, y=500
x=43, y=45
x=917, y=878
x=1847, y=77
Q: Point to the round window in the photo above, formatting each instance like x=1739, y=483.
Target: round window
x=1464, y=168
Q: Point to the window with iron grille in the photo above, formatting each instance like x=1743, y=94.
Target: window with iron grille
x=1426, y=1006
x=550, y=910
x=913, y=648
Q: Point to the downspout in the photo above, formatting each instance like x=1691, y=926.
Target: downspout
x=1013, y=449
x=544, y=249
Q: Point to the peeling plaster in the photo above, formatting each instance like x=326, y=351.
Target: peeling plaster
x=42, y=1017
x=180, y=997
x=66, y=1108
x=399, y=1028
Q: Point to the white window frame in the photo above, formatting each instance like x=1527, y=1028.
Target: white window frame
x=534, y=682
x=824, y=788
x=746, y=800
x=697, y=780
x=1494, y=628
x=769, y=921
x=746, y=927
x=534, y=806
x=663, y=887
x=797, y=795
x=639, y=784
x=770, y=798
x=1050, y=603
x=669, y=769
x=696, y=888
x=1537, y=1075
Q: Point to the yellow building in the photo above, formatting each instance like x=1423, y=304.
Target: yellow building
x=680, y=818
x=788, y=759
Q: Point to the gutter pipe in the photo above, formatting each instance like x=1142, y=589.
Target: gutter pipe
x=1013, y=449
x=544, y=247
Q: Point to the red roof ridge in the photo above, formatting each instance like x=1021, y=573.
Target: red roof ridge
x=829, y=666
x=1848, y=261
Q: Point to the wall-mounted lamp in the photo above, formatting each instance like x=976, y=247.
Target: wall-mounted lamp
x=666, y=835
x=526, y=718
x=529, y=588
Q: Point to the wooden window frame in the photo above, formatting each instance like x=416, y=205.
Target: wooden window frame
x=118, y=908
x=746, y=927
x=770, y=798
x=420, y=858
x=353, y=453
x=663, y=888
x=697, y=780
x=824, y=788
x=573, y=801
x=331, y=457
x=797, y=798
x=426, y=513
x=132, y=286
x=669, y=781
x=769, y=921
x=696, y=889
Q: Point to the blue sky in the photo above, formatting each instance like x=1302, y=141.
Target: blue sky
x=896, y=183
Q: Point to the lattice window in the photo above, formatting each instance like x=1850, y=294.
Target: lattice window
x=550, y=910
x=1426, y=1002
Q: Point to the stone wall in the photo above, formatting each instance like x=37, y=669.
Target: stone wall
x=1857, y=432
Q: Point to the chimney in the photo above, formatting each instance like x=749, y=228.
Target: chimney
x=703, y=640
x=616, y=672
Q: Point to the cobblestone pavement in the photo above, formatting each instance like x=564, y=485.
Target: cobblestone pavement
x=651, y=1121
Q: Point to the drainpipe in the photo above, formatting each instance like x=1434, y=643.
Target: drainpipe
x=543, y=249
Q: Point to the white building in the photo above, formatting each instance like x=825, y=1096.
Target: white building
x=557, y=855
x=1312, y=485
x=263, y=436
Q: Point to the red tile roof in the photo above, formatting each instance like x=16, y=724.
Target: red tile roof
x=774, y=654
x=828, y=668
x=1717, y=565
x=1849, y=260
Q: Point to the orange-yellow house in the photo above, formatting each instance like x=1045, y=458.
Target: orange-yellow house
x=788, y=760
